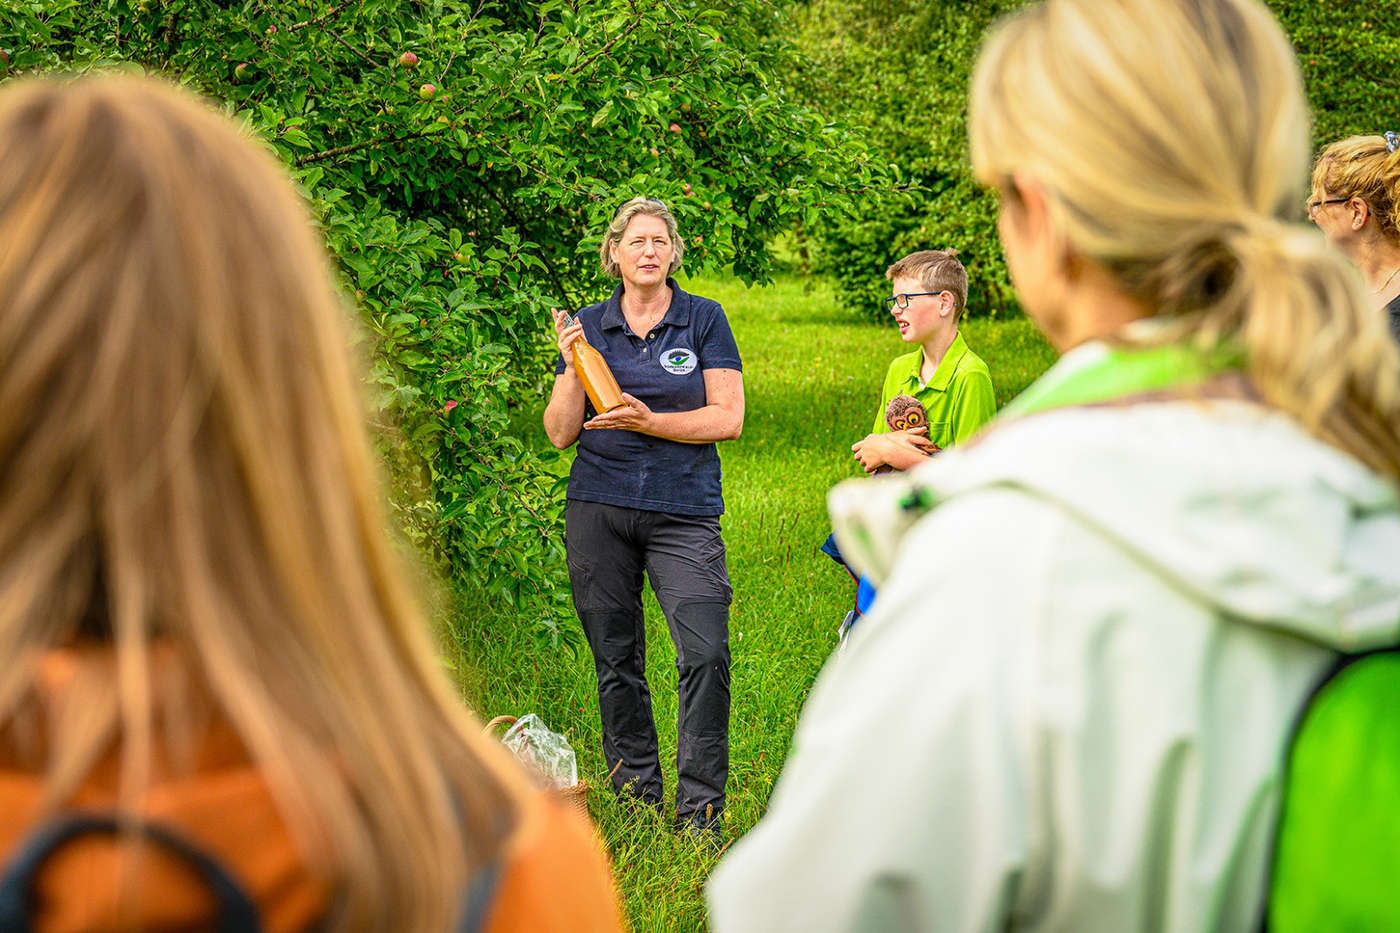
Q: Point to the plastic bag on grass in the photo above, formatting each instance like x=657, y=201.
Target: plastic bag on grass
x=546, y=753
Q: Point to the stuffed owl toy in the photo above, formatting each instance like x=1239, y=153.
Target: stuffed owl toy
x=904, y=413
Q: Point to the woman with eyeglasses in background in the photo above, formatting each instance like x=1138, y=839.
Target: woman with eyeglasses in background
x=220, y=704
x=1098, y=622
x=645, y=495
x=1355, y=201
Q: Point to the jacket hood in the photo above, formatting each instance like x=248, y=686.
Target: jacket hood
x=1228, y=501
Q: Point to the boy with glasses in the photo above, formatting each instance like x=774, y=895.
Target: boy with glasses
x=948, y=379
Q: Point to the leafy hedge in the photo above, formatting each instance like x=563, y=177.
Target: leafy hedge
x=901, y=68
x=1349, y=51
x=463, y=158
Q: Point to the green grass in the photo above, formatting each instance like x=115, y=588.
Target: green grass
x=812, y=378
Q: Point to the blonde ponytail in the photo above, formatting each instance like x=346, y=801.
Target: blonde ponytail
x=1171, y=139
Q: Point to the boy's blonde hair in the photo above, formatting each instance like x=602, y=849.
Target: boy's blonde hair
x=1362, y=167
x=1171, y=140
x=937, y=270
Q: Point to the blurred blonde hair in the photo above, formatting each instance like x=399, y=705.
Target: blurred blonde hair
x=1171, y=138
x=639, y=205
x=1360, y=167
x=184, y=470
x=938, y=270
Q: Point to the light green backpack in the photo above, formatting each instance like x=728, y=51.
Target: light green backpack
x=1337, y=846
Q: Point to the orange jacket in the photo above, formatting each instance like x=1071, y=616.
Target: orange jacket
x=553, y=872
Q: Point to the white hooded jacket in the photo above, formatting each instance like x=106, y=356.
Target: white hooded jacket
x=1069, y=706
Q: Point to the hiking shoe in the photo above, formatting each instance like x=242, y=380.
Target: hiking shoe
x=705, y=832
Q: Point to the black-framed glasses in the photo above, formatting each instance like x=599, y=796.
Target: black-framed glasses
x=903, y=300
x=1314, y=205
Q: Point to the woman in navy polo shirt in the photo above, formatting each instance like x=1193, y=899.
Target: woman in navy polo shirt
x=644, y=495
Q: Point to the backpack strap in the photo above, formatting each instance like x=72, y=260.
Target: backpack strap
x=480, y=898
x=234, y=911
x=1337, y=839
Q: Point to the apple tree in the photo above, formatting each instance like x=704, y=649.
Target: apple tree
x=463, y=159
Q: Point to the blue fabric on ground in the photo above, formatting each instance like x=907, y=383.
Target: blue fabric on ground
x=865, y=596
x=865, y=590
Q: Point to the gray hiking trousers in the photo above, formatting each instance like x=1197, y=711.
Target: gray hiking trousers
x=608, y=549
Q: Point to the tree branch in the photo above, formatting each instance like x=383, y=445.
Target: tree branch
x=169, y=32
x=336, y=36
x=519, y=497
x=354, y=147
x=319, y=19
x=607, y=47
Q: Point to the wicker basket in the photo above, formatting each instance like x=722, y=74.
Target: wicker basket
x=574, y=798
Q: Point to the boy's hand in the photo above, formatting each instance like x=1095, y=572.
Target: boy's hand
x=919, y=438
x=897, y=449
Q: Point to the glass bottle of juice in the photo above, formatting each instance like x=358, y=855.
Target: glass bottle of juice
x=598, y=380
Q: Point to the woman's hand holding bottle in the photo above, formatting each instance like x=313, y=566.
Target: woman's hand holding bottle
x=566, y=331
x=585, y=362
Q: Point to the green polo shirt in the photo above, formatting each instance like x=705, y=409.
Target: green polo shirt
x=959, y=398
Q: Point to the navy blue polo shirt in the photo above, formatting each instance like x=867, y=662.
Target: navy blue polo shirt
x=665, y=370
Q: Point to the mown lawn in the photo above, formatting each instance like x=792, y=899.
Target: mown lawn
x=812, y=378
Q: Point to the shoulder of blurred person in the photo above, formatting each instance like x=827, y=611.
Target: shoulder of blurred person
x=201, y=774
x=1081, y=614
x=551, y=872
x=555, y=876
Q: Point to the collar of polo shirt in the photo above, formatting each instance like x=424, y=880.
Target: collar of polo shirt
x=678, y=314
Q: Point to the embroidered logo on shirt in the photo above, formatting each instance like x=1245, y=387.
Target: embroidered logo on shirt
x=679, y=361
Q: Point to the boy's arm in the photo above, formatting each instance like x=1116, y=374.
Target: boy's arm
x=899, y=450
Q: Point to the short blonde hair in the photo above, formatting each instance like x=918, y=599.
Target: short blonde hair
x=1361, y=167
x=1171, y=140
x=639, y=205
x=938, y=270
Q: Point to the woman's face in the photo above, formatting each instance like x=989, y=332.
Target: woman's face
x=1024, y=227
x=1335, y=218
x=643, y=255
x=1069, y=297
